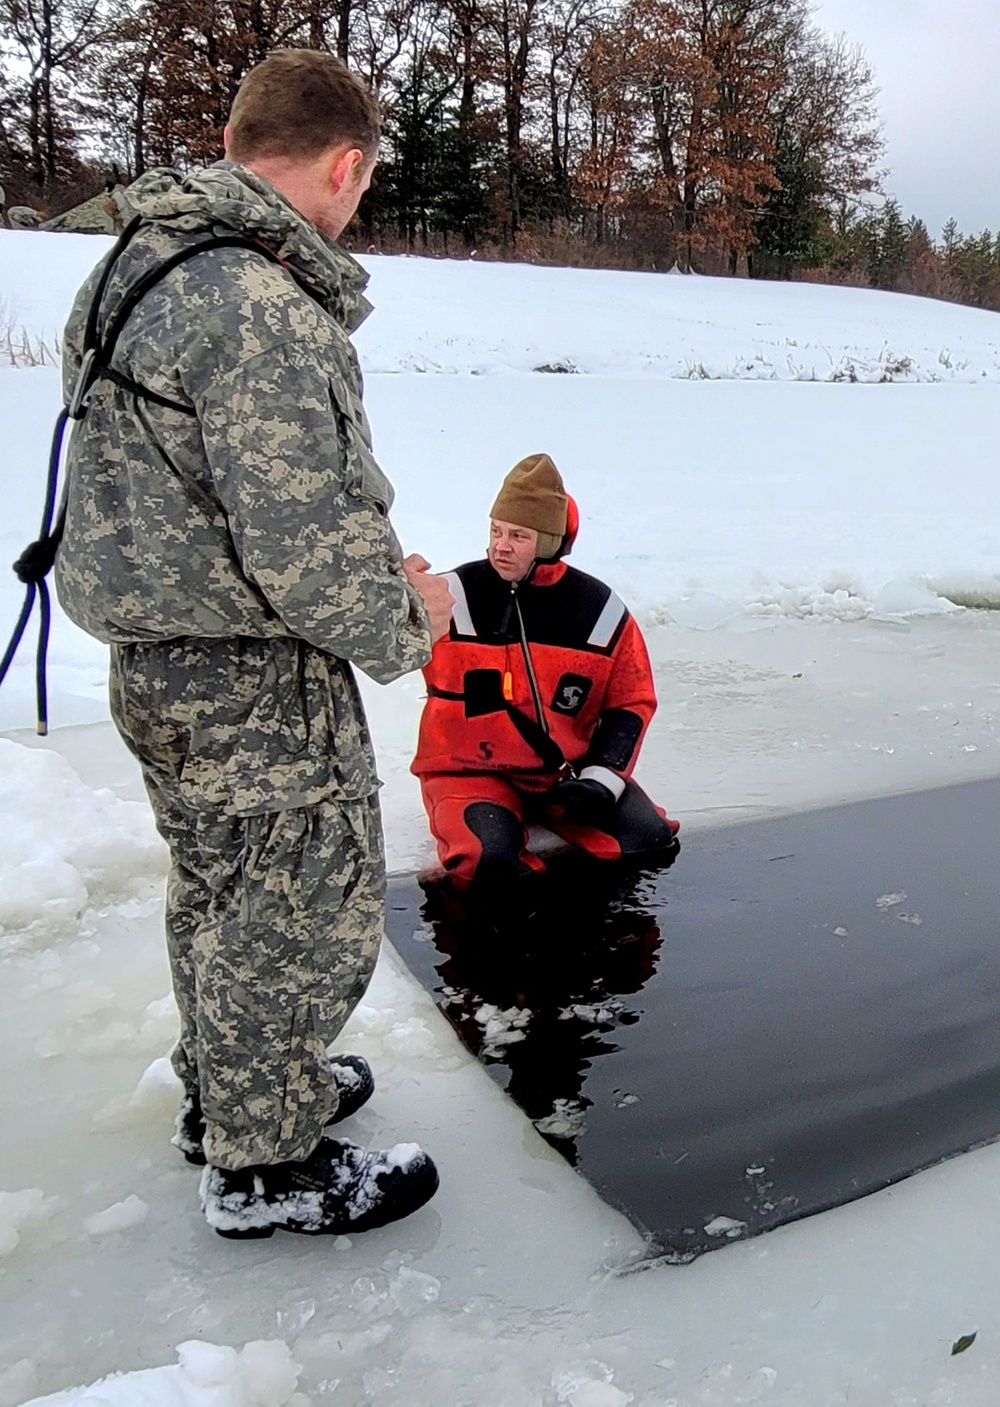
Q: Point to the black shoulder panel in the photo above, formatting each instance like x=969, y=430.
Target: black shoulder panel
x=577, y=612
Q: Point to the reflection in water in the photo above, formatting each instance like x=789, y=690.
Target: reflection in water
x=536, y=989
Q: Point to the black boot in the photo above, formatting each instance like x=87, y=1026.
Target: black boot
x=339, y=1188
x=351, y=1074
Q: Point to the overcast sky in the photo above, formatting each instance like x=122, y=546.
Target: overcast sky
x=937, y=63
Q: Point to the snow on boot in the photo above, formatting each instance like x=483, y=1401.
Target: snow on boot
x=351, y=1074
x=339, y=1188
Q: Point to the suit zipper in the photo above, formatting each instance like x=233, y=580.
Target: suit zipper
x=529, y=664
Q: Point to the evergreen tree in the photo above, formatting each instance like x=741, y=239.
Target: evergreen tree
x=887, y=247
x=793, y=230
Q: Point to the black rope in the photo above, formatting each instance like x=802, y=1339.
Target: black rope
x=31, y=568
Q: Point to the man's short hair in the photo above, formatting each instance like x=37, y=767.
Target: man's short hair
x=299, y=103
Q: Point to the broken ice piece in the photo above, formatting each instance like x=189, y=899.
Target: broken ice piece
x=840, y=933
x=725, y=1226
x=915, y=919
x=121, y=1216
x=567, y=1120
x=889, y=901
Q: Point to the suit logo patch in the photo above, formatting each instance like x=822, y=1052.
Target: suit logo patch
x=571, y=694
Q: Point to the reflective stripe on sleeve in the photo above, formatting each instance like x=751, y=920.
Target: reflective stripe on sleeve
x=607, y=778
x=608, y=622
x=460, y=613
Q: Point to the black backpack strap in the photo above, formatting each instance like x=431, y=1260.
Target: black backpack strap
x=37, y=560
x=98, y=350
x=485, y=696
x=552, y=755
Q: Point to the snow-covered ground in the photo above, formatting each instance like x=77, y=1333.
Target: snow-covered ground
x=776, y=539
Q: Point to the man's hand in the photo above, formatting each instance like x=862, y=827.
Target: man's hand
x=581, y=801
x=434, y=590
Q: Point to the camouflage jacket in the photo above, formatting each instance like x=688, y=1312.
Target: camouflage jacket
x=264, y=514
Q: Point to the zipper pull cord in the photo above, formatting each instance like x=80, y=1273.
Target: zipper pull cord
x=532, y=680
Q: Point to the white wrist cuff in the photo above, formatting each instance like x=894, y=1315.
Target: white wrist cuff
x=607, y=778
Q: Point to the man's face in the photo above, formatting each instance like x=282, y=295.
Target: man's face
x=512, y=549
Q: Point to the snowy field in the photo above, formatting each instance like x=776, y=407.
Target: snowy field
x=795, y=489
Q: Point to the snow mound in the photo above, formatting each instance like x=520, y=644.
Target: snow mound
x=65, y=844
x=459, y=317
x=205, y=1375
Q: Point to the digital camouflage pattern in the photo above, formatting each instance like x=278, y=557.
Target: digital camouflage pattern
x=273, y=919
x=265, y=514
x=238, y=561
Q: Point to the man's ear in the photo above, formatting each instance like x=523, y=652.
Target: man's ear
x=345, y=167
x=225, y=139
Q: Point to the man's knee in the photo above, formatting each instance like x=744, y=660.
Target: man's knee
x=479, y=838
x=501, y=841
x=639, y=826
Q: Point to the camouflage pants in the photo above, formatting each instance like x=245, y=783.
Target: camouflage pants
x=273, y=919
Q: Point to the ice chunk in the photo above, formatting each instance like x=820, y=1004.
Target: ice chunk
x=18, y=1210
x=599, y=1395
x=412, y=1290
x=206, y=1375
x=120, y=1216
x=47, y=890
x=910, y=598
x=567, y=1120
x=594, y=1013
x=570, y=1379
x=270, y=1373
x=703, y=610
x=17, y=1382
x=889, y=901
x=501, y=1028
x=725, y=1226
x=409, y=1039
x=157, y=1083
x=64, y=842
x=207, y=1364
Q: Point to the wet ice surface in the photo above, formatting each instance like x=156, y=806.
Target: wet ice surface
x=523, y=1263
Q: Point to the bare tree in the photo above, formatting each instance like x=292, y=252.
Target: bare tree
x=50, y=39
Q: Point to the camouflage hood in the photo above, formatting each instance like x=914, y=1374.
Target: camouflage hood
x=228, y=196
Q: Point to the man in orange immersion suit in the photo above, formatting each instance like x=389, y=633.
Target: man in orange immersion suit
x=537, y=700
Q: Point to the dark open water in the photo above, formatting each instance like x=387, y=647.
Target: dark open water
x=761, y=1032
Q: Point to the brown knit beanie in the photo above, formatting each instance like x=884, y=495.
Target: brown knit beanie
x=533, y=496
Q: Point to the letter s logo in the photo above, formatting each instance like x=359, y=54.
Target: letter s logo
x=571, y=694
x=486, y=751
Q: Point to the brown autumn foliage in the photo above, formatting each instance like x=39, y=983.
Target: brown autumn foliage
x=713, y=135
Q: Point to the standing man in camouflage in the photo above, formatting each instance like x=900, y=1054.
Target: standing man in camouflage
x=227, y=534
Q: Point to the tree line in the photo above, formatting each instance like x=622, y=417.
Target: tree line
x=709, y=135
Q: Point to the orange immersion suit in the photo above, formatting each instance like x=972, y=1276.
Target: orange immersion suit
x=538, y=682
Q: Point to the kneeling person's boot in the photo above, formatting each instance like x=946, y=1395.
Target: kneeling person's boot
x=339, y=1188
x=351, y=1074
